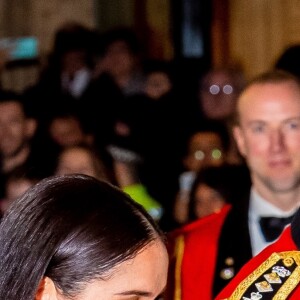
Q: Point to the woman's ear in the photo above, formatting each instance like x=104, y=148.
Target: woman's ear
x=46, y=290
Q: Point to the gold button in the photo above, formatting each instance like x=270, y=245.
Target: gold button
x=289, y=261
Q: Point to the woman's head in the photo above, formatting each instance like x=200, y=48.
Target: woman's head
x=72, y=237
x=216, y=185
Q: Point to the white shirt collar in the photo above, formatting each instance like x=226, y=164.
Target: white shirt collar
x=259, y=207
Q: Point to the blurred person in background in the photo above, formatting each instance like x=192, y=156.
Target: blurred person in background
x=20, y=144
x=17, y=183
x=66, y=128
x=215, y=186
x=83, y=159
x=205, y=147
x=121, y=60
x=217, y=94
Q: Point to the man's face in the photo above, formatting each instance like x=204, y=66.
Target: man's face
x=269, y=135
x=66, y=131
x=157, y=84
x=13, y=128
x=218, y=96
x=118, y=58
x=76, y=160
x=204, y=149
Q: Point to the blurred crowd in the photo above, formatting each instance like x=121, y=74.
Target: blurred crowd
x=100, y=107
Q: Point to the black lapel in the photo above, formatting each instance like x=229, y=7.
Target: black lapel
x=234, y=248
x=295, y=229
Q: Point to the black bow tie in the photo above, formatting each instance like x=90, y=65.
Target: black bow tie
x=272, y=227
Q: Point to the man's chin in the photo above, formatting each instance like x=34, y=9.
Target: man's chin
x=284, y=185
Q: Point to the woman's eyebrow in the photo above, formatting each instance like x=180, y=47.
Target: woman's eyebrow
x=135, y=293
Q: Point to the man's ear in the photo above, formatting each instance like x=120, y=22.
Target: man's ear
x=46, y=290
x=239, y=139
x=31, y=125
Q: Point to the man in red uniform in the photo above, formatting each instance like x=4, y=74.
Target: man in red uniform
x=206, y=255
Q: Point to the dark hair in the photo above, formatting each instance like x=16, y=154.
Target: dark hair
x=23, y=172
x=289, y=60
x=124, y=34
x=157, y=65
x=72, y=229
x=68, y=111
x=11, y=96
x=212, y=126
x=8, y=95
x=72, y=36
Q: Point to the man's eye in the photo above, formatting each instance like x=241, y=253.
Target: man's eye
x=293, y=125
x=258, y=128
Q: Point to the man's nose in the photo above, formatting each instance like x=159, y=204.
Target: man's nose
x=277, y=142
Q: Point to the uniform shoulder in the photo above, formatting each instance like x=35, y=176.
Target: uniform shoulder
x=275, y=271
x=206, y=227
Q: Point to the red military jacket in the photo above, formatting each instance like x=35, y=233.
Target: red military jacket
x=193, y=252
x=273, y=274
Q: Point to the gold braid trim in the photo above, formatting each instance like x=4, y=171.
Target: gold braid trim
x=286, y=288
x=289, y=285
x=179, y=250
